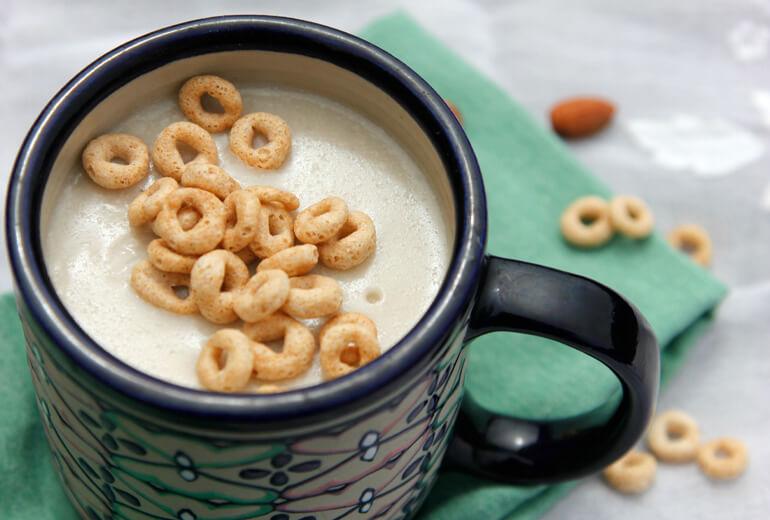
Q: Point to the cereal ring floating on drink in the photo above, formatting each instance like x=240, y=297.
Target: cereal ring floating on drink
x=353, y=318
x=269, y=156
x=99, y=158
x=226, y=361
x=209, y=177
x=166, y=155
x=191, y=96
x=268, y=194
x=242, y=208
x=313, y=296
x=201, y=238
x=146, y=206
x=321, y=221
x=294, y=261
x=354, y=243
x=263, y=295
x=295, y=357
x=350, y=354
x=586, y=222
x=355, y=342
x=723, y=458
x=631, y=216
x=215, y=280
x=634, y=472
x=168, y=260
x=274, y=231
x=187, y=218
x=157, y=287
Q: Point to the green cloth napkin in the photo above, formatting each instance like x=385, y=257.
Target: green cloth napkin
x=530, y=177
x=29, y=488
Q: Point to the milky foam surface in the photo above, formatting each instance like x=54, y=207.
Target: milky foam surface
x=90, y=248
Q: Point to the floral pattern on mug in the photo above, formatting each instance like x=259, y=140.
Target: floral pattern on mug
x=118, y=462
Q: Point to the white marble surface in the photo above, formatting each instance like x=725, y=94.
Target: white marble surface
x=705, y=59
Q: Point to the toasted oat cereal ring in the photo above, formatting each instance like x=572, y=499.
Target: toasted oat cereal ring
x=634, y=472
x=209, y=177
x=586, y=222
x=168, y=260
x=674, y=437
x=354, y=243
x=207, y=232
x=242, y=208
x=455, y=110
x=99, y=156
x=341, y=339
x=192, y=92
x=723, y=458
x=321, y=221
x=354, y=318
x=226, y=361
x=294, y=261
x=268, y=194
x=188, y=217
x=269, y=156
x=694, y=241
x=631, y=216
x=157, y=287
x=165, y=152
x=295, y=357
x=146, y=206
x=263, y=295
x=349, y=355
x=215, y=280
x=313, y=296
x=274, y=231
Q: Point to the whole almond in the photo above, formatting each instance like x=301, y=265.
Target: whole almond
x=581, y=116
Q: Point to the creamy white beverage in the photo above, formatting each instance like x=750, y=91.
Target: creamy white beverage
x=90, y=248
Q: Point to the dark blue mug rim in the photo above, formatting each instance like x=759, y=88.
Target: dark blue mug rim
x=58, y=119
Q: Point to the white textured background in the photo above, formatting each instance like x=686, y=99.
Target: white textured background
x=709, y=60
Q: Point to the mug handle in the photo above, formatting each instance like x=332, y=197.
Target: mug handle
x=521, y=297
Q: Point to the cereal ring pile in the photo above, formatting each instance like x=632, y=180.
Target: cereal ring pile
x=205, y=247
x=211, y=231
x=591, y=221
x=674, y=437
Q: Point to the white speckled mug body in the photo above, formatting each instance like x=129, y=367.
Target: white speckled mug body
x=118, y=461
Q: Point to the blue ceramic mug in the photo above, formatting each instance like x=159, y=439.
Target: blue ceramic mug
x=367, y=445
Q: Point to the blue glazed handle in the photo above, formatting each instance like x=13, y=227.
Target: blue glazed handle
x=532, y=299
